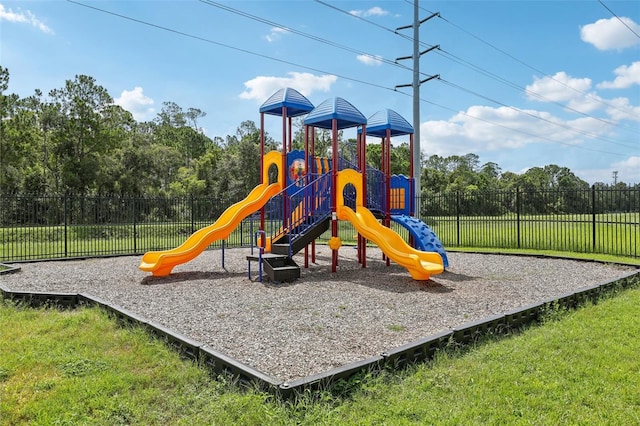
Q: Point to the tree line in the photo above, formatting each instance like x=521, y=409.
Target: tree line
x=76, y=140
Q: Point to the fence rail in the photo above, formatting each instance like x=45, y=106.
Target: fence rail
x=605, y=221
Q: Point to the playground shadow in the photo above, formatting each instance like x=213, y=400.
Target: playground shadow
x=179, y=277
x=433, y=286
x=393, y=279
x=455, y=277
x=403, y=284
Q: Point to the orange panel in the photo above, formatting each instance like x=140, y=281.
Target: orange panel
x=397, y=198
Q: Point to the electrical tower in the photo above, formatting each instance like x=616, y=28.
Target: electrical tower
x=417, y=166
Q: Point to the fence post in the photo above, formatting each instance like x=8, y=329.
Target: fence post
x=593, y=217
x=518, y=201
x=193, y=224
x=65, y=220
x=135, y=230
x=458, y=216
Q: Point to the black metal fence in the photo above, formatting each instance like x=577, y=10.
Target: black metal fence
x=605, y=221
x=53, y=226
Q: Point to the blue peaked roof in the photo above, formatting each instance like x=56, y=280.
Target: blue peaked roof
x=295, y=102
x=346, y=115
x=379, y=122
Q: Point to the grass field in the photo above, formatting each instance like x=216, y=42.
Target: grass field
x=80, y=367
x=617, y=235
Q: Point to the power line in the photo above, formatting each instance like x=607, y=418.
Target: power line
x=493, y=123
x=531, y=67
x=227, y=46
x=521, y=111
x=337, y=9
x=347, y=48
x=494, y=76
x=506, y=82
x=618, y=18
x=184, y=34
x=303, y=34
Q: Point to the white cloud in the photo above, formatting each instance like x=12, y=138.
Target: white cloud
x=260, y=88
x=621, y=109
x=611, y=34
x=139, y=105
x=371, y=60
x=627, y=76
x=276, y=34
x=482, y=129
x=23, y=18
x=628, y=170
x=374, y=11
x=567, y=90
x=558, y=88
x=576, y=93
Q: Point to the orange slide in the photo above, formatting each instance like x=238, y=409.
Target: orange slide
x=160, y=263
x=420, y=264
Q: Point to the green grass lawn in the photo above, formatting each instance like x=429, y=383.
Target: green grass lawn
x=80, y=367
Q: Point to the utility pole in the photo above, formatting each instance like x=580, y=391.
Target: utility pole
x=615, y=177
x=417, y=167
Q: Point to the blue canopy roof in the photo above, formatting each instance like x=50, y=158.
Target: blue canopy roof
x=346, y=115
x=295, y=102
x=379, y=122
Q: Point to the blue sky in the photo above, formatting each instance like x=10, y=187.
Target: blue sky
x=522, y=83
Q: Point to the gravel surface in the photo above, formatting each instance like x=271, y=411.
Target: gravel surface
x=323, y=320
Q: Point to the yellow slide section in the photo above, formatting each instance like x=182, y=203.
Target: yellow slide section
x=160, y=263
x=420, y=264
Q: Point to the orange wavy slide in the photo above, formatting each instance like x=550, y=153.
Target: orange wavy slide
x=160, y=263
x=420, y=264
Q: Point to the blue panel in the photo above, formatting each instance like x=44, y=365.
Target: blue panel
x=401, y=181
x=295, y=167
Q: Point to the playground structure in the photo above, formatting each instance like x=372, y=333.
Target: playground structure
x=301, y=196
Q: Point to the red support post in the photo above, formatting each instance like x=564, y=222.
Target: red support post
x=262, y=243
x=313, y=148
x=289, y=133
x=309, y=198
x=334, y=190
x=387, y=189
x=313, y=164
x=285, y=172
x=388, y=183
x=383, y=168
x=412, y=201
x=363, y=169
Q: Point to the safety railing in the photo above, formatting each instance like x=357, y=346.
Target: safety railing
x=300, y=207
